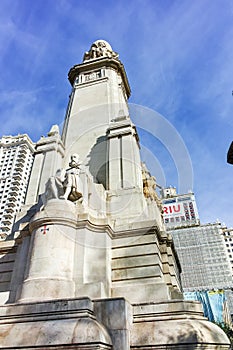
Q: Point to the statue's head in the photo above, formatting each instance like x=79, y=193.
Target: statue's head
x=74, y=160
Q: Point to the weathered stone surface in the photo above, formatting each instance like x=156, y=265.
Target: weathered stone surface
x=62, y=324
x=117, y=317
x=175, y=324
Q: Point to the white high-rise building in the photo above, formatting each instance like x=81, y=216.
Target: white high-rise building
x=16, y=158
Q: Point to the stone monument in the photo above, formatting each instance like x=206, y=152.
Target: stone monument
x=94, y=267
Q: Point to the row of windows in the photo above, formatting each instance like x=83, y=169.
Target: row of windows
x=83, y=78
x=174, y=219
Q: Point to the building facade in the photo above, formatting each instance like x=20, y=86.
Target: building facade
x=179, y=210
x=16, y=159
x=204, y=251
x=228, y=238
x=203, y=257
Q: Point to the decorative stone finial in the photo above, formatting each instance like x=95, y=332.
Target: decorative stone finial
x=54, y=130
x=100, y=48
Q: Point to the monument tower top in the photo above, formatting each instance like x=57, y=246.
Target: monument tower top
x=100, y=48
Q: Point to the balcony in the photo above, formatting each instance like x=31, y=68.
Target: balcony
x=13, y=193
x=9, y=210
x=5, y=228
x=16, y=175
x=15, y=182
x=11, y=204
x=8, y=216
x=20, y=162
x=6, y=222
x=18, y=168
x=22, y=154
x=14, y=188
x=22, y=151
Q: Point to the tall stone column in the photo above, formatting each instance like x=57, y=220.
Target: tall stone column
x=100, y=91
x=125, y=186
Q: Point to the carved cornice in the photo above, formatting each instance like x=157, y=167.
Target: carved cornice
x=102, y=62
x=52, y=143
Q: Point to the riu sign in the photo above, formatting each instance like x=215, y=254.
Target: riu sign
x=172, y=209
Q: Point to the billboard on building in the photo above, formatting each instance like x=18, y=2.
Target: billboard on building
x=179, y=210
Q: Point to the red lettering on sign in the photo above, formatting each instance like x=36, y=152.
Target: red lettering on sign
x=165, y=210
x=176, y=210
x=170, y=209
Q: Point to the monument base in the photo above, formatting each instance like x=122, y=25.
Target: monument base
x=108, y=324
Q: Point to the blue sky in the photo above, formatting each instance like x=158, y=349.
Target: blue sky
x=179, y=60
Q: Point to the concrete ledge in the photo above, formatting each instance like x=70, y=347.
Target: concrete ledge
x=56, y=324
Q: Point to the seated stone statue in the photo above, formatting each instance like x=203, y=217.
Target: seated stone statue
x=66, y=183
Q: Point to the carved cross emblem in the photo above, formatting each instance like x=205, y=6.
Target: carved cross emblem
x=44, y=229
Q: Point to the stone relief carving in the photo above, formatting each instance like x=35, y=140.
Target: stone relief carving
x=149, y=187
x=54, y=130
x=66, y=183
x=100, y=48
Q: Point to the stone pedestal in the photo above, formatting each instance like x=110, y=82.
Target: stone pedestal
x=49, y=270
